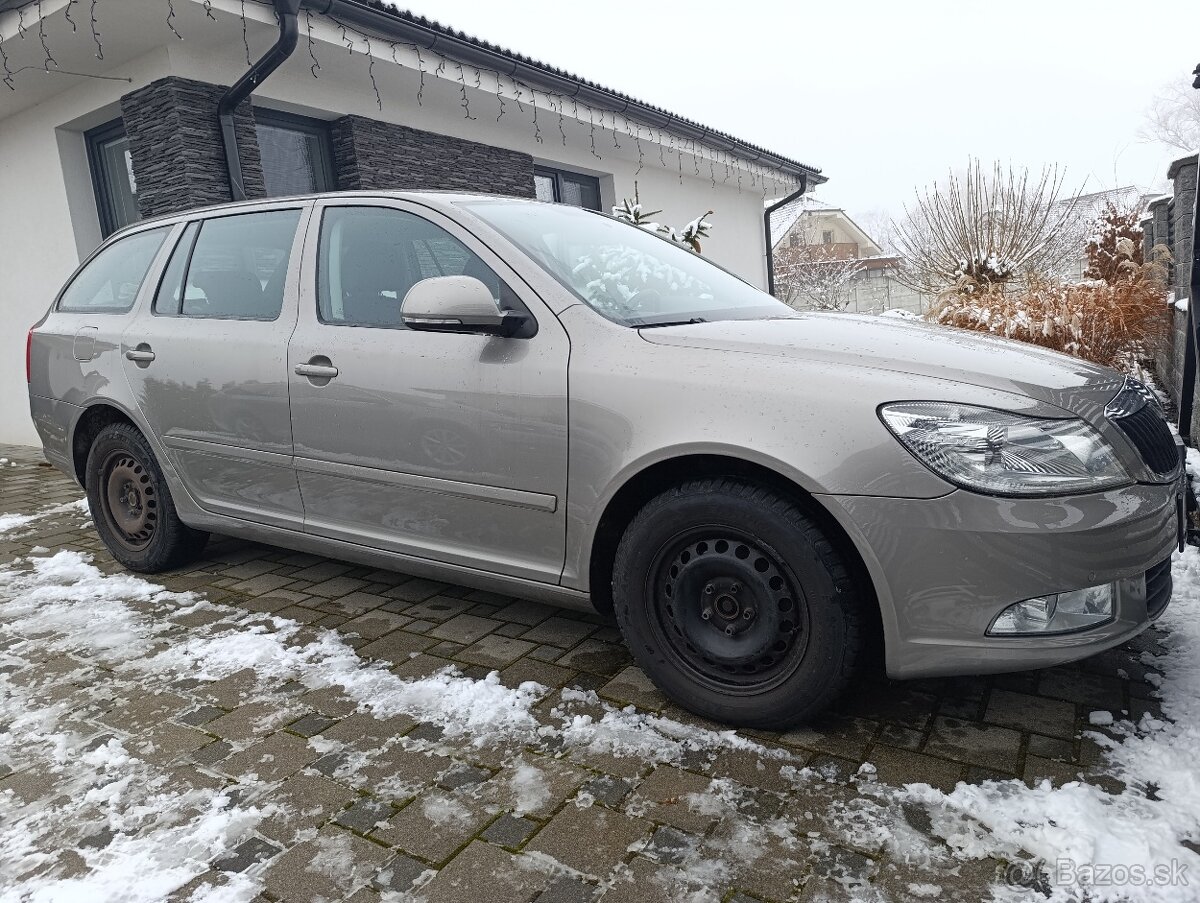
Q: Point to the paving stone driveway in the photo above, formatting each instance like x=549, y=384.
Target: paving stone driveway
x=402, y=805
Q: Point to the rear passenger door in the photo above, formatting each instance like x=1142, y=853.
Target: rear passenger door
x=207, y=361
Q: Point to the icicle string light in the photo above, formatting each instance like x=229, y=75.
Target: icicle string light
x=67, y=15
x=170, y=19
x=520, y=93
x=371, y=72
x=462, y=86
x=42, y=38
x=96, y=32
x=245, y=37
x=208, y=10
x=312, y=45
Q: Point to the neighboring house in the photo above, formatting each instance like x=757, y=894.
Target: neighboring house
x=113, y=116
x=824, y=259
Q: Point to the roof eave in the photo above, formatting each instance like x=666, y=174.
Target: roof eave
x=375, y=16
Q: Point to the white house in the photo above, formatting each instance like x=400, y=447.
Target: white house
x=109, y=113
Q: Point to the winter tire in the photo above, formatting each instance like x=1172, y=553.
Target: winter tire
x=131, y=504
x=736, y=604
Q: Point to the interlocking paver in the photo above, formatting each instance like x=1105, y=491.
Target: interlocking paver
x=618, y=817
x=590, y=840
x=331, y=866
x=484, y=872
x=435, y=825
x=976, y=744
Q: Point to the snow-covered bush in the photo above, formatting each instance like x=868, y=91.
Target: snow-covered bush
x=1111, y=323
x=631, y=211
x=1115, y=244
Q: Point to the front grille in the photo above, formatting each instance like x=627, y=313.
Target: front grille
x=1158, y=588
x=1137, y=414
x=1148, y=432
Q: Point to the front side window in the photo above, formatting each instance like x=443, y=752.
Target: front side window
x=370, y=257
x=622, y=271
x=236, y=267
x=112, y=177
x=110, y=282
x=295, y=152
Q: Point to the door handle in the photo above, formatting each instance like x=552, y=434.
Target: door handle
x=317, y=371
x=141, y=354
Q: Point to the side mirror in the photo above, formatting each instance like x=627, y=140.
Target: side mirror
x=457, y=304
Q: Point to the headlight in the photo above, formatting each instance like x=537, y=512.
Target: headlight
x=1002, y=453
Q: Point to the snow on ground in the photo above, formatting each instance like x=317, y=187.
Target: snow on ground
x=14, y=523
x=1109, y=846
x=65, y=622
x=61, y=609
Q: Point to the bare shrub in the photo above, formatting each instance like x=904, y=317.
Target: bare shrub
x=984, y=229
x=814, y=276
x=1109, y=323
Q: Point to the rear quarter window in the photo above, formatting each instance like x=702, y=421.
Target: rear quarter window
x=111, y=280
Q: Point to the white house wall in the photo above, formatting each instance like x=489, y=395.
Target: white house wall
x=49, y=217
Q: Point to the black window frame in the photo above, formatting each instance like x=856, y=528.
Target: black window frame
x=515, y=301
x=200, y=223
x=105, y=207
x=318, y=128
x=557, y=176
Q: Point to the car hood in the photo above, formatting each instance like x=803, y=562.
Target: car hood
x=909, y=346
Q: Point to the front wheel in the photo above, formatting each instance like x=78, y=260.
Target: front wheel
x=737, y=605
x=131, y=505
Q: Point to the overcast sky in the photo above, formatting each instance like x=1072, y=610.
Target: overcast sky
x=882, y=96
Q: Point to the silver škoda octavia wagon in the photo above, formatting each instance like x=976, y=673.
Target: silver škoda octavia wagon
x=542, y=401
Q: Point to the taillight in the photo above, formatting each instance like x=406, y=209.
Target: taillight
x=28, y=349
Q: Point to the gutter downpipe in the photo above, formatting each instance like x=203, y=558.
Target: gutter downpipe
x=289, y=33
x=767, y=231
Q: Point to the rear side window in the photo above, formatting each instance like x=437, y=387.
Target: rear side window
x=110, y=282
x=231, y=267
x=370, y=257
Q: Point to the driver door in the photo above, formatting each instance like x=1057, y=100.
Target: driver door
x=451, y=447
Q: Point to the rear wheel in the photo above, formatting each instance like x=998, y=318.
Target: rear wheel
x=132, y=506
x=736, y=604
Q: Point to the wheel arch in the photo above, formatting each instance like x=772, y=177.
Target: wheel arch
x=95, y=417
x=656, y=478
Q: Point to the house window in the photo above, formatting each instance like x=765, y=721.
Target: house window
x=112, y=176
x=827, y=237
x=566, y=187
x=296, y=153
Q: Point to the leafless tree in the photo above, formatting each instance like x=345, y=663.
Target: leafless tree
x=984, y=228
x=812, y=276
x=1174, y=117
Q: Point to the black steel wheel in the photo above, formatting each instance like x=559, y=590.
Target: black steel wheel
x=132, y=506
x=129, y=503
x=728, y=609
x=736, y=604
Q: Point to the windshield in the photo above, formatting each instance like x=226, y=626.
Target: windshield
x=624, y=272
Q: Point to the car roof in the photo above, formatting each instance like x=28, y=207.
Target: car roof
x=433, y=198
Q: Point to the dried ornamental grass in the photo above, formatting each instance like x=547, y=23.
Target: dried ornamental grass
x=1106, y=323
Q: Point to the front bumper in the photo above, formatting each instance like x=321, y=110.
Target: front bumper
x=944, y=568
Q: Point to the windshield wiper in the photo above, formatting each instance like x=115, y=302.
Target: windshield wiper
x=672, y=323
